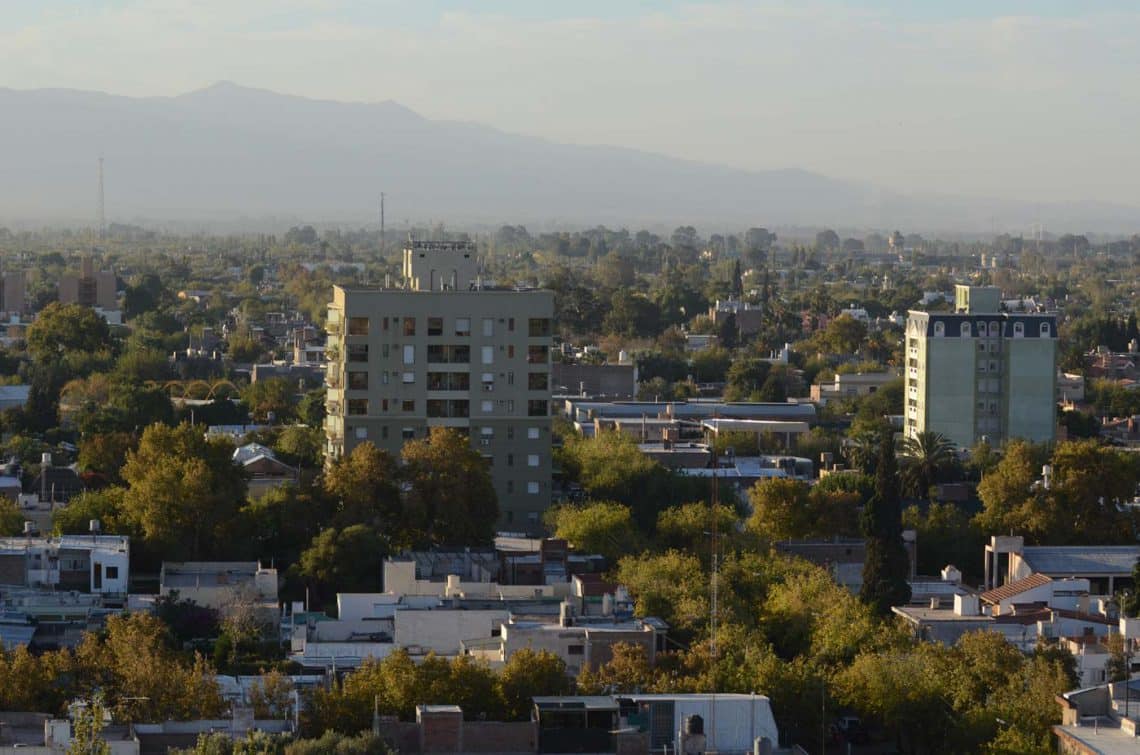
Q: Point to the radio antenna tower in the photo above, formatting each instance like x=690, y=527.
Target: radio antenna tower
x=381, y=221
x=102, y=219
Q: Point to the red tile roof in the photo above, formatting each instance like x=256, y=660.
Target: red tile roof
x=998, y=594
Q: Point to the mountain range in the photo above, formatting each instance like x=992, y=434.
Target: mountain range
x=263, y=160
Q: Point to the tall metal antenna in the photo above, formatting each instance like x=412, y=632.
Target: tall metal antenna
x=713, y=589
x=102, y=218
x=381, y=221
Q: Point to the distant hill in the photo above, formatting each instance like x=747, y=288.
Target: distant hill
x=229, y=153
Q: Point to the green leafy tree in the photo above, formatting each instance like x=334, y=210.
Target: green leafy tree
x=450, y=497
x=348, y=560
x=60, y=329
x=87, y=729
x=527, y=674
x=274, y=396
x=365, y=486
x=106, y=505
x=887, y=566
x=184, y=492
x=603, y=527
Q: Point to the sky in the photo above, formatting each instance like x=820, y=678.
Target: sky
x=1021, y=100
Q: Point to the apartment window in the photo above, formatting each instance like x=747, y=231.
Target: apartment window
x=488, y=382
x=361, y=433
x=448, y=354
x=384, y=433
x=408, y=433
x=384, y=350
x=1018, y=329
x=408, y=405
x=487, y=432
x=358, y=381
x=409, y=378
x=488, y=327
x=1044, y=330
x=532, y=460
x=993, y=330
x=449, y=381
x=510, y=432
x=357, y=406
x=537, y=381
x=537, y=354
x=538, y=327
x=510, y=377
x=462, y=326
x=511, y=324
x=536, y=408
x=511, y=351
x=532, y=433
x=409, y=326
x=357, y=352
x=384, y=377
x=409, y=354
x=358, y=326
x=532, y=488
x=448, y=408
x=965, y=330
x=488, y=355
x=487, y=407
x=981, y=347
x=510, y=460
x=435, y=326
x=939, y=329
x=384, y=405
x=510, y=487
x=510, y=406
x=384, y=324
x=575, y=650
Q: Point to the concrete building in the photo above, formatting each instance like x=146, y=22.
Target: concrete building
x=85, y=563
x=444, y=351
x=222, y=585
x=90, y=288
x=678, y=723
x=979, y=372
x=749, y=317
x=851, y=385
x=13, y=302
x=1108, y=568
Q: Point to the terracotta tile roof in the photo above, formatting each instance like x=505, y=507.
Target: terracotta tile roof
x=998, y=594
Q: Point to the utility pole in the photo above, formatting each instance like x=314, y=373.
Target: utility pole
x=99, y=208
x=713, y=608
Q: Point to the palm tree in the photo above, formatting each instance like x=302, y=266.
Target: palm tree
x=925, y=457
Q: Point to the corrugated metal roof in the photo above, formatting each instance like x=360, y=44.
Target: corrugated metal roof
x=998, y=594
x=1081, y=560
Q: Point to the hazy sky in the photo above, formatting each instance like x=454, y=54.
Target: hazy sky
x=1033, y=100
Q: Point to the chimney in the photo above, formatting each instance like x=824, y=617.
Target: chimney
x=565, y=614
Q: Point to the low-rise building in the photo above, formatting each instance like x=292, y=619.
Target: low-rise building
x=222, y=585
x=851, y=385
x=97, y=564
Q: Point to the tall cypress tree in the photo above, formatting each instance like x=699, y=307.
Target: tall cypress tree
x=887, y=566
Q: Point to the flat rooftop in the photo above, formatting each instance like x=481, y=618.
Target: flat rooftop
x=1104, y=736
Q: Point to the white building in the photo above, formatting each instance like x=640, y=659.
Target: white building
x=85, y=563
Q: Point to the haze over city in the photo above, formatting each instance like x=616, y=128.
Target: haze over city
x=903, y=104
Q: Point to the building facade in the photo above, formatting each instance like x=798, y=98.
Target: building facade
x=90, y=288
x=446, y=351
x=980, y=373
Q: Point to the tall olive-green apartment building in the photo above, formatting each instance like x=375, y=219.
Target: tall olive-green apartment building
x=443, y=350
x=978, y=372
